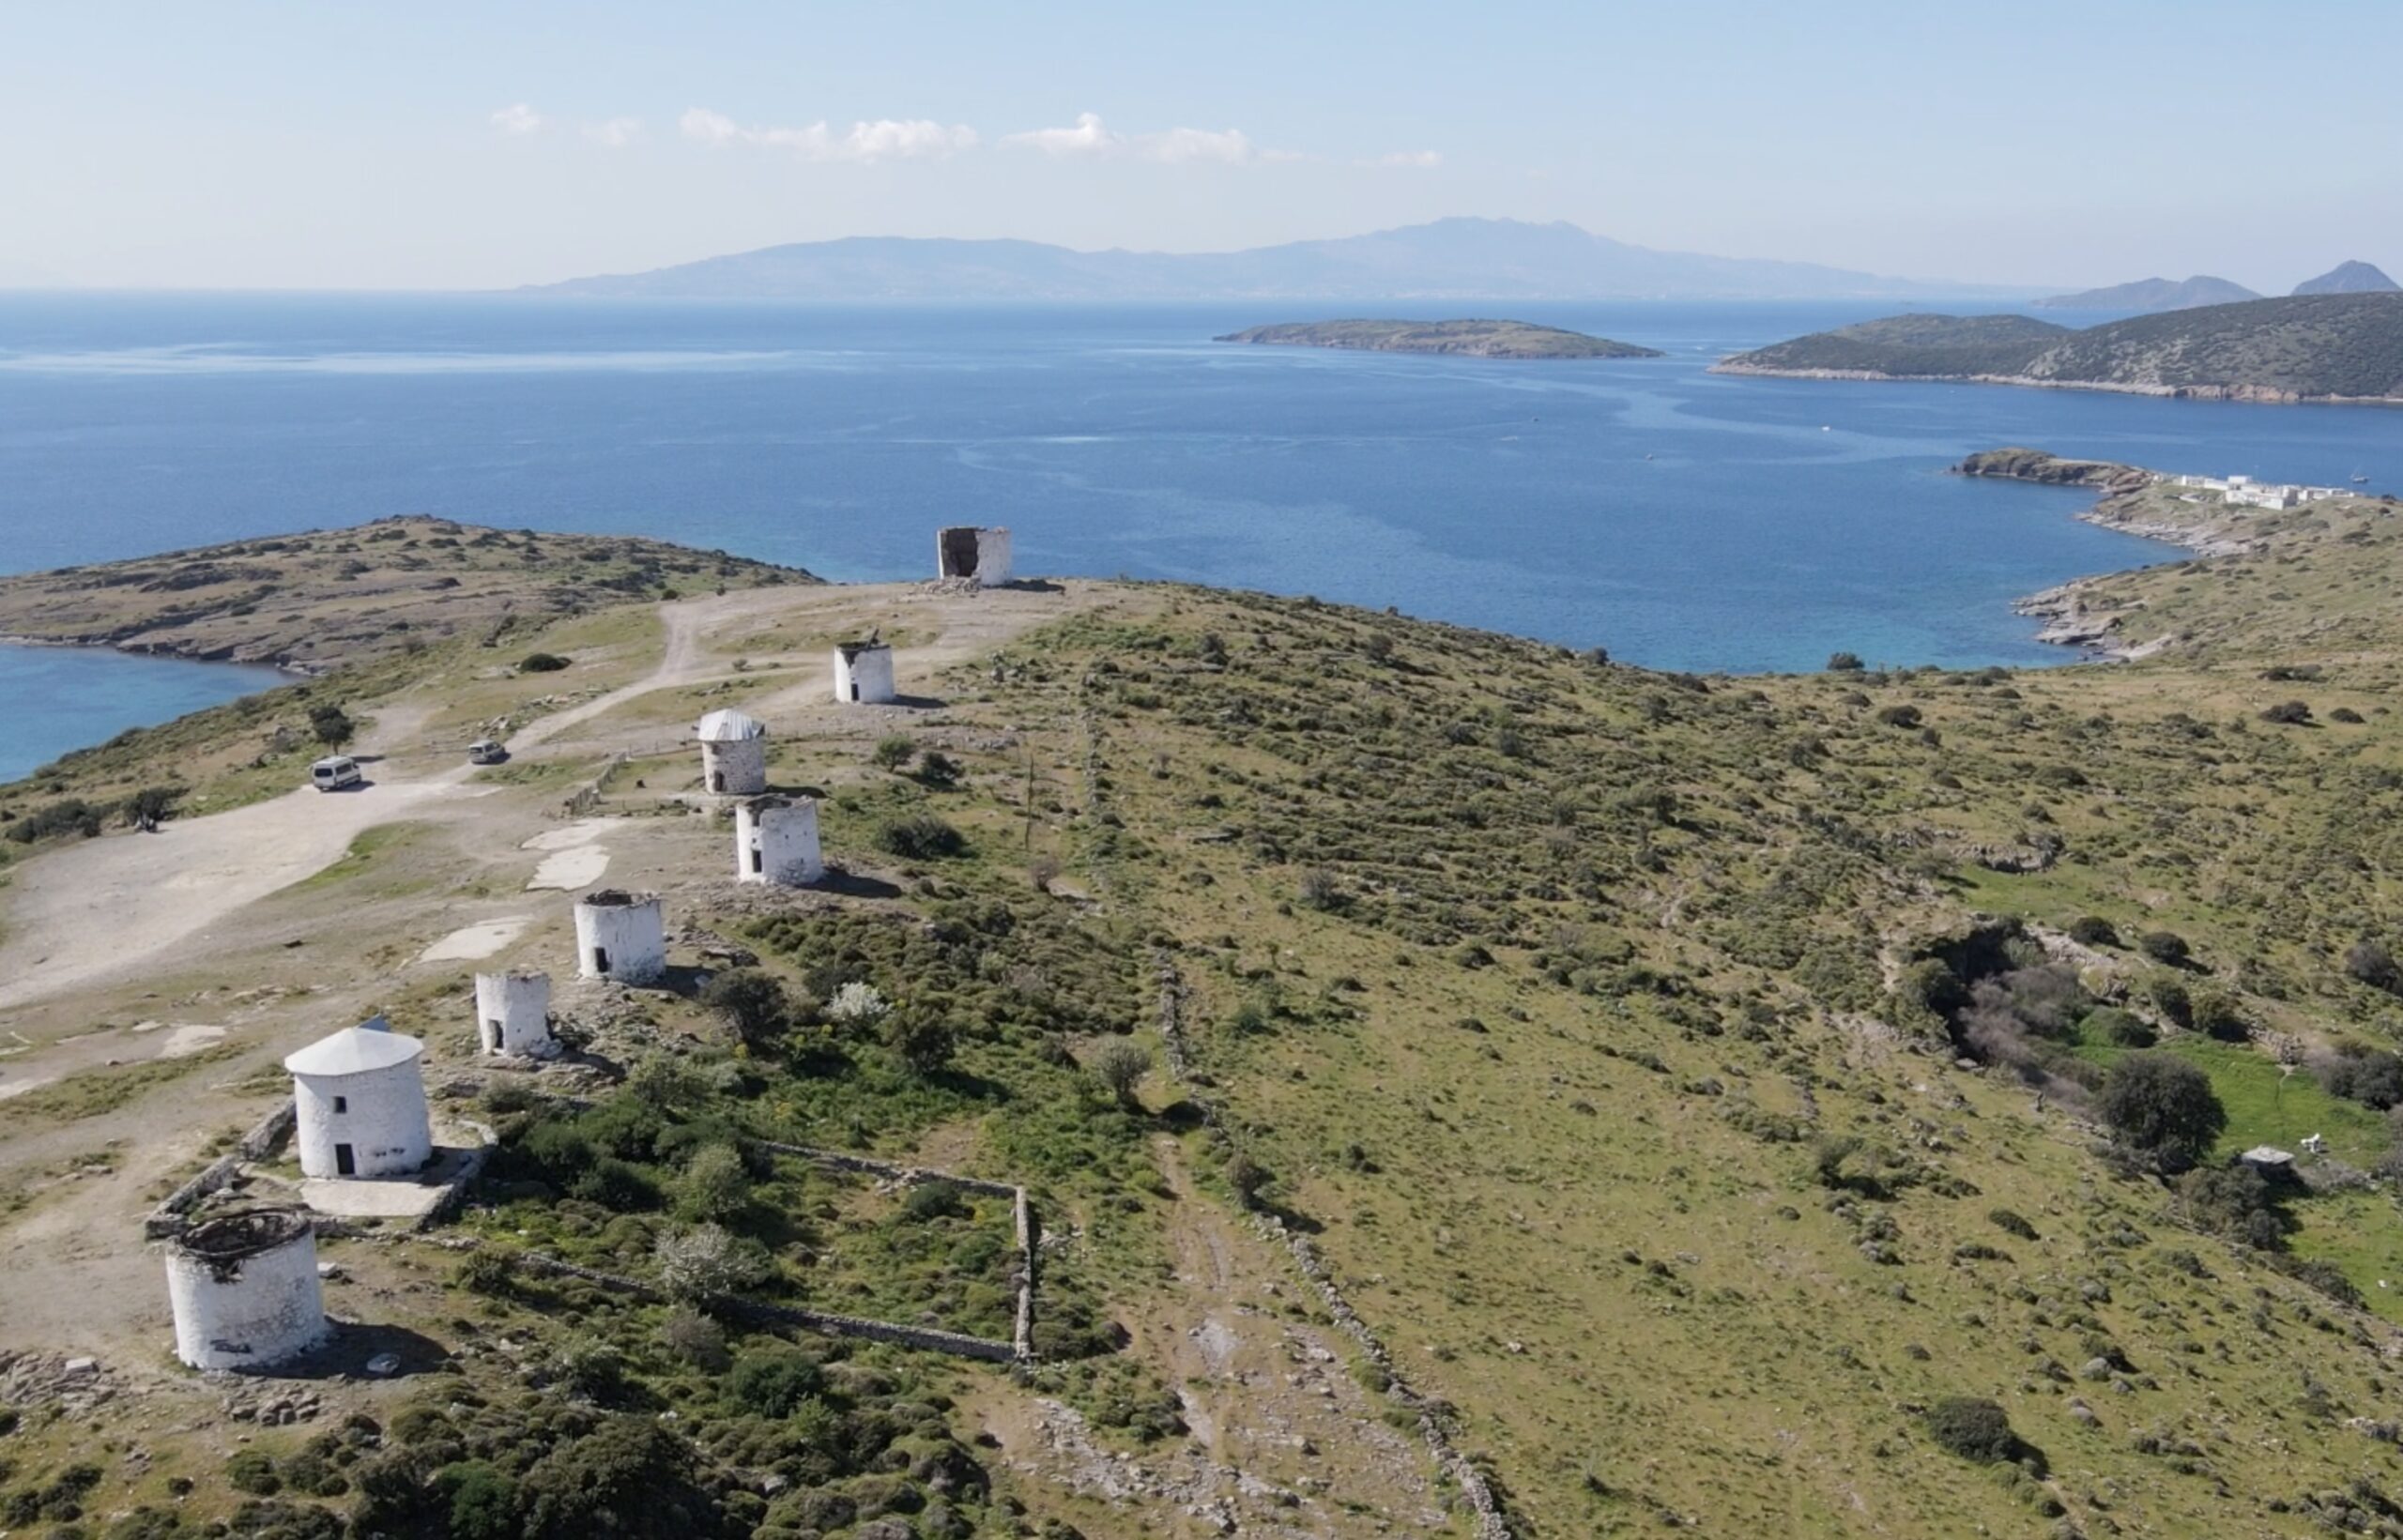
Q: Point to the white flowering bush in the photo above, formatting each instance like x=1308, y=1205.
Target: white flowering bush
x=857, y=1004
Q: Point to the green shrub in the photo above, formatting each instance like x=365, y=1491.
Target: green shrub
x=2117, y=1028
x=2166, y=947
x=893, y=751
x=920, y=837
x=1973, y=1427
x=775, y=1381
x=2011, y=1222
x=253, y=1471
x=2093, y=930
x=541, y=663
x=1845, y=663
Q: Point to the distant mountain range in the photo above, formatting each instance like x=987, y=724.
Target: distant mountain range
x=2151, y=296
x=2311, y=347
x=1453, y=258
x=2348, y=278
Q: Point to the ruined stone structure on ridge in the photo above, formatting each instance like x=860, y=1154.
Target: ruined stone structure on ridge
x=863, y=672
x=775, y=841
x=359, y=1104
x=620, y=936
x=244, y=1290
x=967, y=551
x=514, y=1014
x=734, y=755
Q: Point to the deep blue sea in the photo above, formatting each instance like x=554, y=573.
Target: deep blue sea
x=1679, y=518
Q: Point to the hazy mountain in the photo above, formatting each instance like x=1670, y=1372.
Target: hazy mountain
x=1455, y=258
x=2152, y=295
x=2348, y=278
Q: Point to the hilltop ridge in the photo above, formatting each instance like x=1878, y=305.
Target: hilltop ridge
x=1448, y=258
x=2320, y=347
x=2151, y=296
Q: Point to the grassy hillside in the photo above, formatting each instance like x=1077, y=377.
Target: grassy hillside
x=2347, y=346
x=1470, y=339
x=1701, y=1086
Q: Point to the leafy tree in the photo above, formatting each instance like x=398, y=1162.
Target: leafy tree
x=2160, y=1104
x=331, y=725
x=1119, y=1066
x=893, y=751
x=923, y=1038
x=753, y=1004
x=706, y=1261
x=715, y=1185
x=152, y=804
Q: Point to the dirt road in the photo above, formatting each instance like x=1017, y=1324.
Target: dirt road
x=91, y=914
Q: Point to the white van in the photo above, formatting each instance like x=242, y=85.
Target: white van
x=483, y=751
x=335, y=773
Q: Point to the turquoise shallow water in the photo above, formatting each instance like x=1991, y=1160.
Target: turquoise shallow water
x=1680, y=519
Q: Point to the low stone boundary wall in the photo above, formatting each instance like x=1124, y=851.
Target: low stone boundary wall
x=1475, y=1490
x=1023, y=1221
x=957, y=1344
x=171, y=1216
x=587, y=796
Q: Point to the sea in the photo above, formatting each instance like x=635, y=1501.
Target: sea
x=1677, y=518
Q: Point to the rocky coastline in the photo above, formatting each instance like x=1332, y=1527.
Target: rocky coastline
x=2256, y=394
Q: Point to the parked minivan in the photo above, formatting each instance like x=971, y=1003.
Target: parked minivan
x=335, y=773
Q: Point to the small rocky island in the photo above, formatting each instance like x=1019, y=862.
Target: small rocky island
x=1470, y=339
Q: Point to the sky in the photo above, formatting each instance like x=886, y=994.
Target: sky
x=245, y=144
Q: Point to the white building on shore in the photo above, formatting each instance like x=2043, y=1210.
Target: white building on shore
x=2245, y=492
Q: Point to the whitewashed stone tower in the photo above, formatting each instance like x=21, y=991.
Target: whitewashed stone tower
x=734, y=755
x=514, y=1014
x=775, y=841
x=244, y=1290
x=863, y=672
x=620, y=936
x=360, y=1101
x=966, y=551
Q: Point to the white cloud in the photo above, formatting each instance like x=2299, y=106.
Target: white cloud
x=616, y=133
x=518, y=118
x=1180, y=145
x=1408, y=157
x=886, y=139
x=1086, y=138
x=1174, y=146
